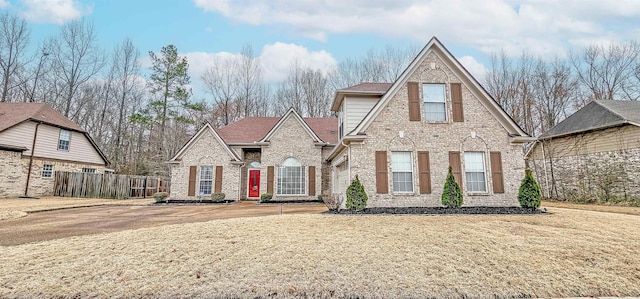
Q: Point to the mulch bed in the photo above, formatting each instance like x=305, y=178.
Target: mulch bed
x=193, y=201
x=293, y=201
x=444, y=211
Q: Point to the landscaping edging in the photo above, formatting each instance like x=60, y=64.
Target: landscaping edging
x=290, y=202
x=193, y=201
x=444, y=211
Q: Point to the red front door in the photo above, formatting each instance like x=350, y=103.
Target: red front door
x=254, y=183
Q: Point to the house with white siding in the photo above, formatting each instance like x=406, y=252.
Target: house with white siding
x=35, y=142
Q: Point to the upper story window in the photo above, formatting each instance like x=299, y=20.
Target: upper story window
x=88, y=170
x=474, y=171
x=435, y=104
x=64, y=140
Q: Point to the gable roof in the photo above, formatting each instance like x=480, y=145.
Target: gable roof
x=12, y=114
x=254, y=129
x=291, y=113
x=597, y=115
x=434, y=45
x=207, y=127
x=362, y=89
x=248, y=129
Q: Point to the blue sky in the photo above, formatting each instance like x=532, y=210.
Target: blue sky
x=321, y=33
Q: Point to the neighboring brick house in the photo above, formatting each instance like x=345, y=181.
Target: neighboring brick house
x=282, y=156
x=35, y=136
x=400, y=138
x=594, y=154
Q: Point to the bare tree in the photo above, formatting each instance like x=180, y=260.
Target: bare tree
x=76, y=59
x=376, y=66
x=222, y=82
x=306, y=90
x=128, y=91
x=607, y=72
x=555, y=88
x=14, y=39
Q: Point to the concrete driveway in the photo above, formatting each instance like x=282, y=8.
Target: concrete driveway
x=102, y=219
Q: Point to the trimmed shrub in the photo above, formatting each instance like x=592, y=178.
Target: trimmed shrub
x=320, y=196
x=356, y=197
x=160, y=196
x=451, y=194
x=529, y=194
x=265, y=197
x=217, y=197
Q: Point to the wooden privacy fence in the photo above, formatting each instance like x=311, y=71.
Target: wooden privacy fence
x=118, y=186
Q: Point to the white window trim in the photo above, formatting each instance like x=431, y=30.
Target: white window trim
x=444, y=93
x=413, y=178
x=484, y=168
x=303, y=179
x=200, y=180
x=42, y=171
x=60, y=139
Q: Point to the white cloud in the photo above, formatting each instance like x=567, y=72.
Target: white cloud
x=546, y=27
x=477, y=69
x=4, y=4
x=53, y=11
x=275, y=59
x=278, y=58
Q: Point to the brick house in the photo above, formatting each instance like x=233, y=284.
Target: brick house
x=592, y=154
x=282, y=156
x=36, y=141
x=399, y=138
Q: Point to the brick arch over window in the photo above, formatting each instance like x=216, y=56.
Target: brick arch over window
x=482, y=168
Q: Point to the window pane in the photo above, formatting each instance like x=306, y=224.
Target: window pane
x=291, y=179
x=474, y=172
x=402, y=171
x=433, y=92
x=47, y=171
x=206, y=180
x=64, y=140
x=435, y=111
x=474, y=161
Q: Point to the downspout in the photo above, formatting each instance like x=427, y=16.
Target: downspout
x=240, y=181
x=348, y=159
x=546, y=177
x=33, y=148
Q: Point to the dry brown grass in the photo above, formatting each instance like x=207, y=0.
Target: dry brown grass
x=566, y=253
x=19, y=207
x=621, y=209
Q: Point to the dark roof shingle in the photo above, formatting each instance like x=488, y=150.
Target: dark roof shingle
x=252, y=129
x=371, y=87
x=12, y=114
x=597, y=115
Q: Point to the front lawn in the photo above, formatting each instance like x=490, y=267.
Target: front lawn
x=564, y=253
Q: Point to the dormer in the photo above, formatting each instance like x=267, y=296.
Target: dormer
x=353, y=103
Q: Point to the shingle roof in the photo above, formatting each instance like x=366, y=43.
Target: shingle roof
x=597, y=115
x=252, y=129
x=367, y=86
x=12, y=114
